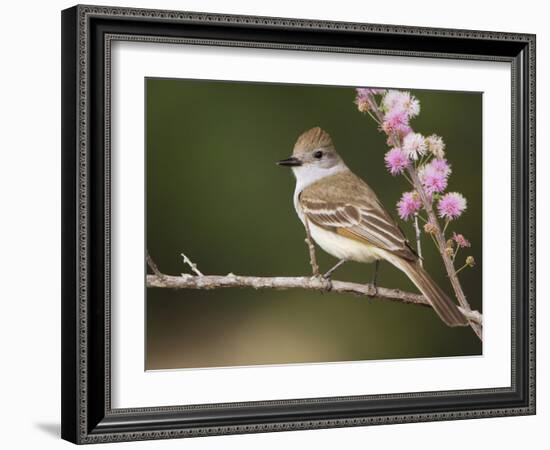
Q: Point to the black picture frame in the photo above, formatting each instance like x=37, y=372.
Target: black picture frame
x=87, y=32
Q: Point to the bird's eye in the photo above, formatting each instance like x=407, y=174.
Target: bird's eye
x=318, y=154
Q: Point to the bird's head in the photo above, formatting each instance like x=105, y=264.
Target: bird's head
x=313, y=150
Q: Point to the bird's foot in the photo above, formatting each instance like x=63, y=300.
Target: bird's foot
x=327, y=278
x=373, y=291
x=324, y=280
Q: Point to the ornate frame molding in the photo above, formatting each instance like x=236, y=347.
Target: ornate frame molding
x=85, y=421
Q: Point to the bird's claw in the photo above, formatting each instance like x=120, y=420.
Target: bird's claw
x=373, y=292
x=324, y=280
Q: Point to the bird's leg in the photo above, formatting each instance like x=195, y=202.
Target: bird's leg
x=311, y=248
x=374, y=277
x=328, y=275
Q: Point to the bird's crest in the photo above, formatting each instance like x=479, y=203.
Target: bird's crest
x=312, y=139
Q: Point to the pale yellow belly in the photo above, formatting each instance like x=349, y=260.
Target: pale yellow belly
x=342, y=247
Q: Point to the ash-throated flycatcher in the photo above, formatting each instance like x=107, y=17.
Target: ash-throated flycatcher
x=346, y=219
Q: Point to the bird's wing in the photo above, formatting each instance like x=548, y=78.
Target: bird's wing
x=347, y=206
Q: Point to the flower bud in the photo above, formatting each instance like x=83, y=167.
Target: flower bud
x=470, y=261
x=363, y=106
x=436, y=146
x=461, y=241
x=430, y=228
x=449, y=251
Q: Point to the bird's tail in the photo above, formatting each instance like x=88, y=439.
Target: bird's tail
x=445, y=308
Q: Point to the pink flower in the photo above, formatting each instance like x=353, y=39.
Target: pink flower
x=396, y=121
x=396, y=161
x=414, y=145
x=392, y=99
x=442, y=166
x=460, y=240
x=402, y=101
x=408, y=205
x=434, y=175
x=451, y=205
x=432, y=179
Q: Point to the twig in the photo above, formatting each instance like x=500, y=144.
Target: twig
x=461, y=268
x=434, y=241
x=408, y=179
x=418, y=244
x=208, y=282
x=152, y=265
x=373, y=118
x=311, y=248
x=191, y=264
x=456, y=253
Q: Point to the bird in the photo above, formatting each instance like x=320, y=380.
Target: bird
x=344, y=216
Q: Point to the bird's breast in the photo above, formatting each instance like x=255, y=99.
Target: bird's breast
x=342, y=247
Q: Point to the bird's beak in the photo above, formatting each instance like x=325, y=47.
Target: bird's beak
x=290, y=162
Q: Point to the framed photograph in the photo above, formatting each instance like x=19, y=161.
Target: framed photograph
x=282, y=224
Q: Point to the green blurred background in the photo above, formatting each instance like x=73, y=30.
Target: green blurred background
x=215, y=193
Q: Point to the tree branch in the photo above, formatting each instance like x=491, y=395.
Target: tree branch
x=315, y=283
x=152, y=265
x=208, y=282
x=447, y=261
x=191, y=264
